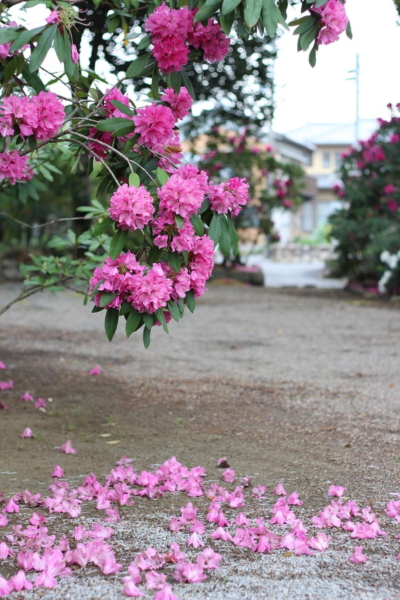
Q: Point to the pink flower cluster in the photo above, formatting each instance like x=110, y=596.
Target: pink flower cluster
x=131, y=207
x=99, y=150
x=230, y=196
x=334, y=21
x=14, y=167
x=173, y=31
x=40, y=116
x=180, y=103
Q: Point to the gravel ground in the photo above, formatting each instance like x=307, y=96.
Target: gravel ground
x=299, y=387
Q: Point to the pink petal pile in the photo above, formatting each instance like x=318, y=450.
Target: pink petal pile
x=32, y=549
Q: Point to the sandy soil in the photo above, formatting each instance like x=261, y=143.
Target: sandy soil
x=295, y=387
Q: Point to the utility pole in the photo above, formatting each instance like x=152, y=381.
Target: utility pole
x=356, y=78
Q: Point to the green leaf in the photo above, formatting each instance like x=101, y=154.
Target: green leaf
x=125, y=309
x=59, y=46
x=312, y=59
x=8, y=34
x=154, y=255
x=102, y=226
x=122, y=108
x=124, y=130
x=71, y=68
x=197, y=224
x=113, y=124
x=229, y=6
x=214, y=231
x=111, y=322
x=252, y=11
x=179, y=221
x=137, y=66
x=190, y=301
x=188, y=84
x=174, y=310
x=33, y=79
x=319, y=3
x=10, y=68
x=225, y=239
x=226, y=22
x=308, y=37
x=42, y=48
x=134, y=180
x=349, y=31
x=146, y=337
x=106, y=298
x=117, y=243
x=133, y=322
x=162, y=176
x=97, y=309
x=161, y=317
x=206, y=12
x=146, y=41
x=148, y=320
x=270, y=17
x=174, y=259
x=305, y=25
x=234, y=236
x=205, y=206
x=25, y=37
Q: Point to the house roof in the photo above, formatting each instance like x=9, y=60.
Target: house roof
x=332, y=134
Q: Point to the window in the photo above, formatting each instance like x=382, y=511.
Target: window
x=326, y=160
x=307, y=216
x=338, y=159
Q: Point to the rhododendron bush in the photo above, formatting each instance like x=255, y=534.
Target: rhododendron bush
x=367, y=228
x=155, y=219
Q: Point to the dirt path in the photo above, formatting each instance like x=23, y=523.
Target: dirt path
x=297, y=388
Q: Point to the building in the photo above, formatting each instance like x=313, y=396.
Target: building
x=328, y=141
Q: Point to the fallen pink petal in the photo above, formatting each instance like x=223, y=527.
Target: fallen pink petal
x=336, y=490
x=27, y=433
x=58, y=472
x=358, y=557
x=96, y=370
x=40, y=403
x=27, y=397
x=2, y=365
x=67, y=448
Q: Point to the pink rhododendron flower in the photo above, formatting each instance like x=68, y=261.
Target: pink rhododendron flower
x=230, y=196
x=165, y=594
x=181, y=196
x=96, y=370
x=6, y=385
x=279, y=490
x=189, y=572
x=180, y=103
x=74, y=54
x=321, y=542
x=98, y=148
x=67, y=448
x=389, y=189
x=211, y=39
x=336, y=490
x=152, y=290
x=155, y=125
x=37, y=519
x=11, y=507
x=40, y=403
x=54, y=17
x=221, y=534
x=209, y=559
x=294, y=499
x=57, y=472
x=27, y=397
x=155, y=581
x=229, y=476
x=259, y=491
x=20, y=582
x=118, y=276
x=27, y=433
x=169, y=30
x=334, y=19
x=131, y=207
x=194, y=541
x=50, y=115
x=241, y=520
x=392, y=205
x=358, y=557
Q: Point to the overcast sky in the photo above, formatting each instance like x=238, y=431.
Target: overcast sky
x=322, y=95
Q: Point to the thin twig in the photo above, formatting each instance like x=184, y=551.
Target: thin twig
x=4, y=214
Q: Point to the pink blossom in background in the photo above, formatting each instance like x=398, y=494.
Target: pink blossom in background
x=99, y=150
x=57, y=472
x=40, y=403
x=14, y=167
x=336, y=490
x=27, y=397
x=230, y=196
x=180, y=103
x=6, y=385
x=279, y=490
x=74, y=54
x=211, y=39
x=2, y=365
x=131, y=207
x=67, y=448
x=54, y=17
x=392, y=205
x=27, y=433
x=96, y=370
x=229, y=476
x=395, y=139
x=358, y=557
x=389, y=189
